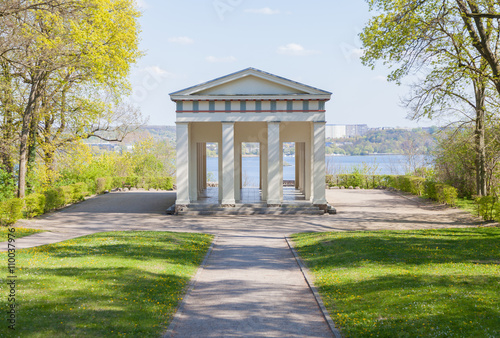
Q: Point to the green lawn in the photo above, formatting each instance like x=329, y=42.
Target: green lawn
x=107, y=284
x=427, y=283
x=467, y=205
x=19, y=232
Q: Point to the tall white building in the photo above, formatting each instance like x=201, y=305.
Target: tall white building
x=345, y=130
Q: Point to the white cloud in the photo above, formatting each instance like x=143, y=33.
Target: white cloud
x=380, y=78
x=223, y=59
x=351, y=52
x=157, y=71
x=295, y=49
x=357, y=52
x=264, y=11
x=141, y=4
x=183, y=40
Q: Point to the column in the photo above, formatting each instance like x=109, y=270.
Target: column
x=193, y=170
x=204, y=165
x=237, y=171
x=228, y=196
x=319, y=167
x=302, y=166
x=297, y=165
x=182, y=135
x=274, y=176
x=264, y=171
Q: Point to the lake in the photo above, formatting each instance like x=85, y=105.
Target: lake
x=377, y=164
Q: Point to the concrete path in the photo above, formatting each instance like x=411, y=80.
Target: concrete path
x=251, y=285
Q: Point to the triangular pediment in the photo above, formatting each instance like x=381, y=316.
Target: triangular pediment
x=249, y=82
x=250, y=85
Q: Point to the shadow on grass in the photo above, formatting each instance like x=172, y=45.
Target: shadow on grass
x=105, y=284
x=432, y=283
x=471, y=245
x=96, y=302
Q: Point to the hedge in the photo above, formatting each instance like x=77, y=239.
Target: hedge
x=11, y=211
x=36, y=204
x=108, y=183
x=419, y=186
x=488, y=207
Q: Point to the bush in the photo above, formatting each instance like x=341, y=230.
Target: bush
x=416, y=185
x=488, y=207
x=7, y=185
x=430, y=190
x=79, y=191
x=34, y=205
x=446, y=194
x=131, y=181
x=116, y=182
x=100, y=185
x=10, y=211
x=54, y=198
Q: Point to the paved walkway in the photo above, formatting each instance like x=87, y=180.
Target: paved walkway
x=251, y=285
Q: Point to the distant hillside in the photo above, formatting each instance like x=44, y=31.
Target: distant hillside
x=375, y=141
x=386, y=141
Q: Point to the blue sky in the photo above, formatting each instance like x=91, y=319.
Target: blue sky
x=313, y=42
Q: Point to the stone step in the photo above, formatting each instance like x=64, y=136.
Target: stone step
x=218, y=211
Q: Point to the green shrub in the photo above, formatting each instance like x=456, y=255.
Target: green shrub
x=7, y=185
x=117, y=182
x=10, y=211
x=416, y=185
x=78, y=192
x=329, y=179
x=446, y=194
x=488, y=207
x=131, y=181
x=54, y=198
x=34, y=205
x=430, y=190
x=67, y=194
x=100, y=185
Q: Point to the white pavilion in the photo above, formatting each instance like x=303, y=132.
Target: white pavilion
x=250, y=106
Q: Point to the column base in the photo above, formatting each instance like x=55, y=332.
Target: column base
x=320, y=202
x=274, y=203
x=228, y=203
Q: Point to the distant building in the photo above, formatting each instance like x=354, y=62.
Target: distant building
x=345, y=130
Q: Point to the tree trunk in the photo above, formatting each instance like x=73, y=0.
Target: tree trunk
x=24, y=139
x=7, y=139
x=481, y=188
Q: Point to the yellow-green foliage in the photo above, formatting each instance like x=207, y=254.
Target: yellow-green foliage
x=488, y=207
x=108, y=183
x=10, y=211
x=34, y=205
x=419, y=186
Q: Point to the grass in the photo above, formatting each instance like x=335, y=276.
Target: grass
x=467, y=205
x=20, y=232
x=106, y=285
x=425, y=283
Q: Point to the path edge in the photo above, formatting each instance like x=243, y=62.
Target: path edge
x=170, y=331
x=305, y=272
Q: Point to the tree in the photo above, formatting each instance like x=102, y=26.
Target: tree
x=65, y=47
x=432, y=40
